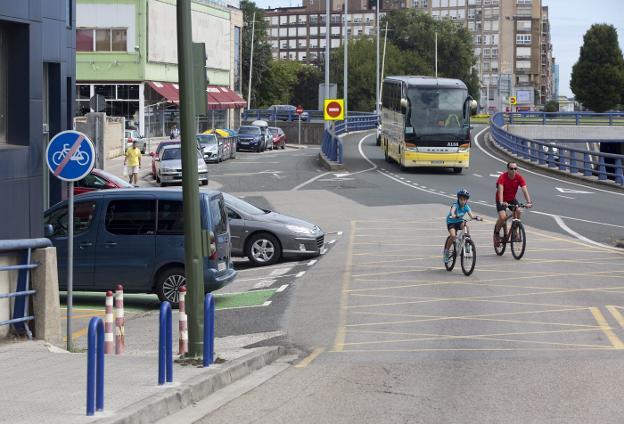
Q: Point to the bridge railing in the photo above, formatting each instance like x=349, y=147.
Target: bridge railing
x=332, y=144
x=566, y=158
x=565, y=118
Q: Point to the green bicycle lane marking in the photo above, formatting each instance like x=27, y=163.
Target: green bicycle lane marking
x=143, y=302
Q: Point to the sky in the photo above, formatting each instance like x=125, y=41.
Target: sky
x=569, y=20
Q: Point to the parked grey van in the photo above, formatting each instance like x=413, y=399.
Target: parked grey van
x=135, y=237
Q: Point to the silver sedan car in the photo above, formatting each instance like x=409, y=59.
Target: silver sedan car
x=265, y=236
x=169, y=166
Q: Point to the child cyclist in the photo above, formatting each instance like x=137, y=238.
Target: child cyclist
x=455, y=219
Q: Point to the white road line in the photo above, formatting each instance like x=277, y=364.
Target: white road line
x=476, y=141
x=262, y=284
x=282, y=288
x=331, y=242
x=339, y=233
x=311, y=180
x=312, y=262
x=267, y=303
x=565, y=197
x=300, y=274
x=279, y=271
x=580, y=237
x=477, y=175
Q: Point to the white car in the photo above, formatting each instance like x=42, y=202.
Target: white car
x=169, y=166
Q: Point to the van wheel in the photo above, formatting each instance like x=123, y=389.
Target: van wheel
x=169, y=283
x=458, y=170
x=263, y=249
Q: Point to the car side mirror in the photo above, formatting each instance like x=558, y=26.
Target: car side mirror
x=48, y=230
x=473, y=107
x=404, y=105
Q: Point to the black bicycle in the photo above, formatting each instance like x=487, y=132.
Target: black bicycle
x=515, y=235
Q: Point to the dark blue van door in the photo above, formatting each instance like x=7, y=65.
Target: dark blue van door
x=126, y=245
x=85, y=235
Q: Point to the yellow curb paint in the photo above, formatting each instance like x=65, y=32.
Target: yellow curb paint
x=604, y=326
x=311, y=357
x=341, y=332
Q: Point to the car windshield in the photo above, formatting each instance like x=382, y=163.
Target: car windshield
x=165, y=144
x=172, y=153
x=434, y=110
x=249, y=130
x=242, y=206
x=207, y=139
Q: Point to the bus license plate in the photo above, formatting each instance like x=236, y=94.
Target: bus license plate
x=221, y=266
x=437, y=162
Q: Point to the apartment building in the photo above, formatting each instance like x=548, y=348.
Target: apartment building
x=511, y=40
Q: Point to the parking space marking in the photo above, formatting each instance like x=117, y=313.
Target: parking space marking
x=311, y=357
x=613, y=310
x=300, y=274
x=341, y=332
x=312, y=262
x=263, y=284
x=279, y=271
x=606, y=329
x=282, y=288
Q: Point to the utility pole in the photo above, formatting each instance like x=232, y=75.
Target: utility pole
x=345, y=77
x=436, y=55
x=383, y=61
x=327, y=29
x=253, y=32
x=193, y=257
x=377, y=61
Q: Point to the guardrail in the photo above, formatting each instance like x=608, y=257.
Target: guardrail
x=563, y=157
x=565, y=118
x=24, y=248
x=291, y=116
x=332, y=146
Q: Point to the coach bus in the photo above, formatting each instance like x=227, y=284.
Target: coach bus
x=425, y=122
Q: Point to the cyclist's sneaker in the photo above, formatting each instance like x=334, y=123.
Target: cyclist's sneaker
x=446, y=256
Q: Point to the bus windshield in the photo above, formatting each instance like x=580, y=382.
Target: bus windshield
x=435, y=111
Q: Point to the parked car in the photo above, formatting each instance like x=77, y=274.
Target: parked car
x=265, y=236
x=264, y=128
x=286, y=113
x=132, y=136
x=135, y=237
x=98, y=179
x=159, y=148
x=250, y=138
x=212, y=149
x=279, y=137
x=169, y=166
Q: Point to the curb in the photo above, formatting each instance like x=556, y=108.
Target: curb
x=330, y=165
x=545, y=168
x=197, y=388
x=296, y=146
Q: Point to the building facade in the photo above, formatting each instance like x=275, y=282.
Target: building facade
x=127, y=52
x=511, y=40
x=37, y=80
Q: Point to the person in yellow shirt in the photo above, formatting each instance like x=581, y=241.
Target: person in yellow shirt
x=133, y=162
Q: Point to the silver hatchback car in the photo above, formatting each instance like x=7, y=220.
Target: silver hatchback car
x=169, y=166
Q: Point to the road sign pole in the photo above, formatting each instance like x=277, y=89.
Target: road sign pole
x=193, y=257
x=299, y=128
x=70, y=264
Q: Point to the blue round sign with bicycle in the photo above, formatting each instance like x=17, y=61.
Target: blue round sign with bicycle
x=70, y=155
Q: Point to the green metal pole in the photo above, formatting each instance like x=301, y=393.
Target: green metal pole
x=192, y=225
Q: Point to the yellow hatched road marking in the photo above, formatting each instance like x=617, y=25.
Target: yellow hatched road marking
x=511, y=349
x=604, y=326
x=616, y=314
x=311, y=357
x=344, y=296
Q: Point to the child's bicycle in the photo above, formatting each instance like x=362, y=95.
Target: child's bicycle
x=466, y=248
x=518, y=241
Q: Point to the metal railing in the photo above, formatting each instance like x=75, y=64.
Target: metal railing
x=24, y=248
x=555, y=155
x=291, y=116
x=332, y=146
x=564, y=118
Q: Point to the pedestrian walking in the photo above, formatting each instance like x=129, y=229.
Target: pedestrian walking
x=133, y=162
x=175, y=132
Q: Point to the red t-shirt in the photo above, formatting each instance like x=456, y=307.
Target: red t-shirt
x=510, y=186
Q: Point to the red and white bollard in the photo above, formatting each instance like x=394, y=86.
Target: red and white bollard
x=108, y=324
x=183, y=343
x=120, y=341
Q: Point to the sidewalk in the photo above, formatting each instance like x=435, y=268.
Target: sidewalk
x=46, y=384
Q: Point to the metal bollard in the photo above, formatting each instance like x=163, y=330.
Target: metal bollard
x=108, y=324
x=120, y=337
x=209, y=322
x=165, y=345
x=183, y=329
x=95, y=366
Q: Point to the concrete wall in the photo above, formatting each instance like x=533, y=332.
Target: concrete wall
x=567, y=132
x=110, y=131
x=8, y=279
x=311, y=133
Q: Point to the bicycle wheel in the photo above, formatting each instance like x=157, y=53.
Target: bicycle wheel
x=452, y=256
x=518, y=240
x=502, y=237
x=468, y=261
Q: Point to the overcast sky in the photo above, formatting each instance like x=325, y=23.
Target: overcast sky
x=569, y=20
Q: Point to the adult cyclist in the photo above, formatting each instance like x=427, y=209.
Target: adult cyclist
x=506, y=188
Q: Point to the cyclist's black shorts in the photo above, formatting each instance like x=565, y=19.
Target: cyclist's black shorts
x=456, y=225
x=511, y=205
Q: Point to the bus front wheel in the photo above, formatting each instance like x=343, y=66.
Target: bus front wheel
x=386, y=154
x=458, y=170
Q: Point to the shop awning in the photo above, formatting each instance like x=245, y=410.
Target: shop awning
x=218, y=97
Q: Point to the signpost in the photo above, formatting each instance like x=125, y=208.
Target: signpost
x=333, y=110
x=70, y=157
x=299, y=111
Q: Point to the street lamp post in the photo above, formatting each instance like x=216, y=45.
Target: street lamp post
x=345, y=78
x=327, y=6
x=377, y=61
x=253, y=32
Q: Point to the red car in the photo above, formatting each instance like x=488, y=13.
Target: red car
x=279, y=138
x=99, y=180
x=155, y=154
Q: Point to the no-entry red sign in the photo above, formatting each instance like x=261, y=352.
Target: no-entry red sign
x=334, y=109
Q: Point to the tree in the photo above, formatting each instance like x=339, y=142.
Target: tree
x=262, y=52
x=551, y=106
x=598, y=76
x=305, y=91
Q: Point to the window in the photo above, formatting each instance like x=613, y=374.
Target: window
x=102, y=39
x=4, y=54
x=91, y=181
x=232, y=215
x=131, y=217
x=237, y=58
x=83, y=216
x=218, y=215
x=523, y=25
x=84, y=40
x=523, y=38
x=170, y=217
x=119, y=40
x=523, y=64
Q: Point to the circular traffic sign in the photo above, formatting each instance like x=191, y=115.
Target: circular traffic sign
x=299, y=110
x=70, y=155
x=334, y=109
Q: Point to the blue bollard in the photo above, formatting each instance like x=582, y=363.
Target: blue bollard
x=587, y=171
x=95, y=366
x=209, y=323
x=339, y=151
x=602, y=170
x=165, y=345
x=619, y=178
x=573, y=168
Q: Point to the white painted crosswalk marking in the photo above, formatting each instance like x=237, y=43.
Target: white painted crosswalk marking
x=312, y=262
x=300, y=274
x=282, y=288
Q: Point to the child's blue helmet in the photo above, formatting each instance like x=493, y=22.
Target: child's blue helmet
x=463, y=193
